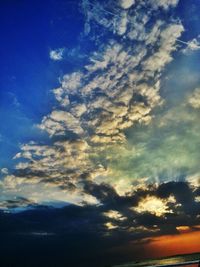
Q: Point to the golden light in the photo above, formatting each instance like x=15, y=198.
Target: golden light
x=113, y=214
x=110, y=226
x=153, y=205
x=183, y=229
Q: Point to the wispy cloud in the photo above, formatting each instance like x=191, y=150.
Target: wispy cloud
x=57, y=54
x=191, y=45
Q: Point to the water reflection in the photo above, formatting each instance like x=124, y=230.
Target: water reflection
x=165, y=261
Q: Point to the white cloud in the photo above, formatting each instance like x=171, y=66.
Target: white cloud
x=194, y=99
x=165, y=4
x=122, y=24
x=154, y=33
x=58, y=122
x=127, y=3
x=57, y=54
x=62, y=98
x=194, y=44
x=4, y=171
x=72, y=82
x=163, y=56
x=191, y=45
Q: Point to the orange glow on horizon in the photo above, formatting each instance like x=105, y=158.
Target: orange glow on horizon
x=183, y=229
x=185, y=243
x=163, y=246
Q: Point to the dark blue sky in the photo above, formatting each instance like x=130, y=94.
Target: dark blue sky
x=29, y=30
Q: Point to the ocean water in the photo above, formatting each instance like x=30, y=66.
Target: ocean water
x=163, y=261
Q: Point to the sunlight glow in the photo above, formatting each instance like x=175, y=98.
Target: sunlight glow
x=153, y=205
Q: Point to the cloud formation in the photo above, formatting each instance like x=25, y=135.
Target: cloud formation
x=194, y=99
x=115, y=164
x=116, y=90
x=121, y=221
x=57, y=54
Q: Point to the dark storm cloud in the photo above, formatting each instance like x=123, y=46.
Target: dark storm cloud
x=184, y=210
x=183, y=194
x=181, y=191
x=108, y=196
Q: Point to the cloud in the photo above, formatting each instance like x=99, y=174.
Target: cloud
x=57, y=54
x=120, y=162
x=122, y=24
x=182, y=193
x=191, y=45
x=153, y=205
x=18, y=203
x=58, y=122
x=124, y=214
x=4, y=171
x=117, y=90
x=165, y=4
x=113, y=214
x=127, y=3
x=194, y=99
x=112, y=225
x=162, y=56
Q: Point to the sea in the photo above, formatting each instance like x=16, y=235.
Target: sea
x=164, y=261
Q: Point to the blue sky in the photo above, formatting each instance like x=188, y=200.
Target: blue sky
x=99, y=108
x=30, y=30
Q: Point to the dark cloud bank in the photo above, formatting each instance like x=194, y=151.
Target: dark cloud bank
x=77, y=236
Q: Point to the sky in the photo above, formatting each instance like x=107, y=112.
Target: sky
x=99, y=136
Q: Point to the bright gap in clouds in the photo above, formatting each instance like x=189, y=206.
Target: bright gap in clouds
x=153, y=205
